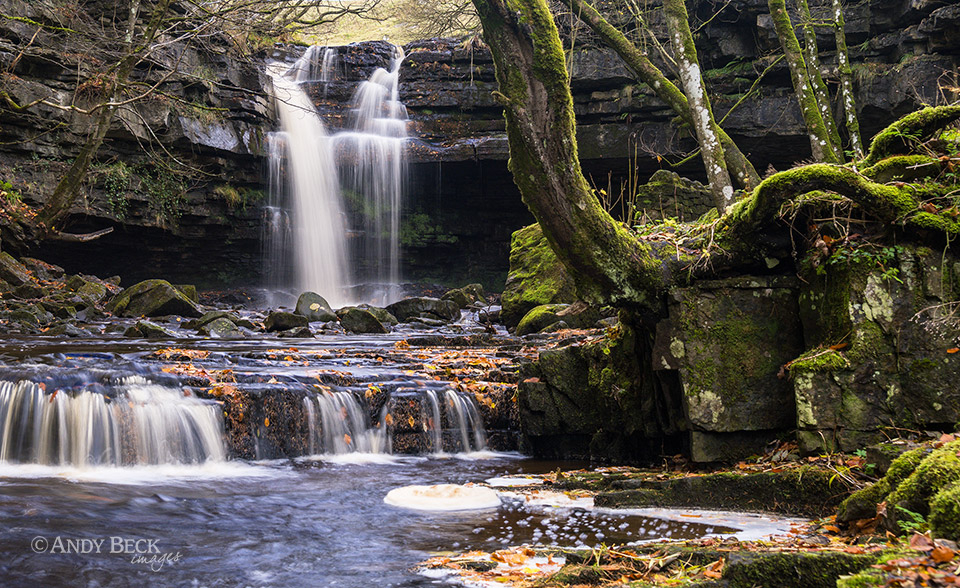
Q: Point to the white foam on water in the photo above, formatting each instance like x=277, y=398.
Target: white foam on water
x=139, y=475
x=443, y=497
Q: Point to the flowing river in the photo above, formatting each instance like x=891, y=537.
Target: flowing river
x=173, y=508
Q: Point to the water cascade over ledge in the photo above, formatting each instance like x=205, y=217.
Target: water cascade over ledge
x=143, y=424
x=335, y=199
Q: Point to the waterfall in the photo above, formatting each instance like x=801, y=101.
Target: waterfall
x=338, y=423
x=142, y=424
x=319, y=234
x=359, y=170
x=467, y=417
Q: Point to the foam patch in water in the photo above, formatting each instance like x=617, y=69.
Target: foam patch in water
x=514, y=481
x=443, y=497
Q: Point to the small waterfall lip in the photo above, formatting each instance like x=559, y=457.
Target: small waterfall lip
x=140, y=424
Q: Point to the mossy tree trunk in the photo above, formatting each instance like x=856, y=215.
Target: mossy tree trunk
x=699, y=103
x=607, y=263
x=812, y=58
x=849, y=103
x=737, y=163
x=820, y=142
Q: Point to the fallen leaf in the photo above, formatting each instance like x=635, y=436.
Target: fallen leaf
x=920, y=542
x=941, y=554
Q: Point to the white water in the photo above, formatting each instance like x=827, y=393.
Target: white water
x=339, y=424
x=319, y=231
x=144, y=424
x=370, y=158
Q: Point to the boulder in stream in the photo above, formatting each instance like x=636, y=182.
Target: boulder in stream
x=149, y=330
x=423, y=307
x=279, y=320
x=221, y=328
x=153, y=298
x=360, y=320
x=467, y=295
x=314, y=307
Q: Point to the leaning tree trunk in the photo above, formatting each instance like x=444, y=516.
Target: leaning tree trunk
x=820, y=142
x=846, y=83
x=699, y=103
x=812, y=58
x=608, y=264
x=55, y=211
x=645, y=71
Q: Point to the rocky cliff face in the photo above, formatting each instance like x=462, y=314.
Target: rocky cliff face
x=208, y=111
x=462, y=204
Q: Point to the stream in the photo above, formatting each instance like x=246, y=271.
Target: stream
x=308, y=520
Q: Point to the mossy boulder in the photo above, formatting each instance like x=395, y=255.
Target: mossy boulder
x=539, y=318
x=221, y=328
x=467, y=295
x=862, y=504
x=536, y=276
x=149, y=330
x=153, y=298
x=190, y=291
x=359, y=320
x=945, y=512
x=668, y=195
x=41, y=269
x=279, y=320
x=383, y=315
x=885, y=311
x=424, y=307
x=315, y=307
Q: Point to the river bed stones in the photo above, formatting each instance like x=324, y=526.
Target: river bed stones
x=314, y=307
x=360, y=320
x=152, y=298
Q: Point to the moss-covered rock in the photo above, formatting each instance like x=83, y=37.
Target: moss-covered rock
x=467, y=295
x=152, y=298
x=358, y=320
x=945, y=512
x=190, y=291
x=539, y=318
x=862, y=504
x=803, y=491
x=935, y=472
x=149, y=330
x=221, y=328
x=284, y=321
x=12, y=271
x=424, y=307
x=536, y=276
x=668, y=195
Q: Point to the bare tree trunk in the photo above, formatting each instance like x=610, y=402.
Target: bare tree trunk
x=846, y=83
x=737, y=163
x=55, y=210
x=699, y=103
x=820, y=143
x=812, y=57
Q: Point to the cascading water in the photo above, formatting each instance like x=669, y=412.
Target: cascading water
x=369, y=155
x=319, y=234
x=339, y=424
x=143, y=424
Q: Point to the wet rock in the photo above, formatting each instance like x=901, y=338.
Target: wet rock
x=28, y=291
x=41, y=269
x=424, y=307
x=284, y=321
x=539, y=318
x=66, y=330
x=554, y=327
x=210, y=317
x=149, y=330
x=383, y=315
x=190, y=291
x=221, y=328
x=153, y=298
x=667, y=195
x=314, y=307
x=358, y=320
x=296, y=333
x=467, y=295
x=93, y=292
x=12, y=271
x=536, y=276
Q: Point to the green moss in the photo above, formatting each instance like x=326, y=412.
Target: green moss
x=938, y=470
x=819, y=360
x=539, y=318
x=536, y=276
x=863, y=503
x=909, y=131
x=906, y=168
x=945, y=512
x=806, y=570
x=873, y=576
